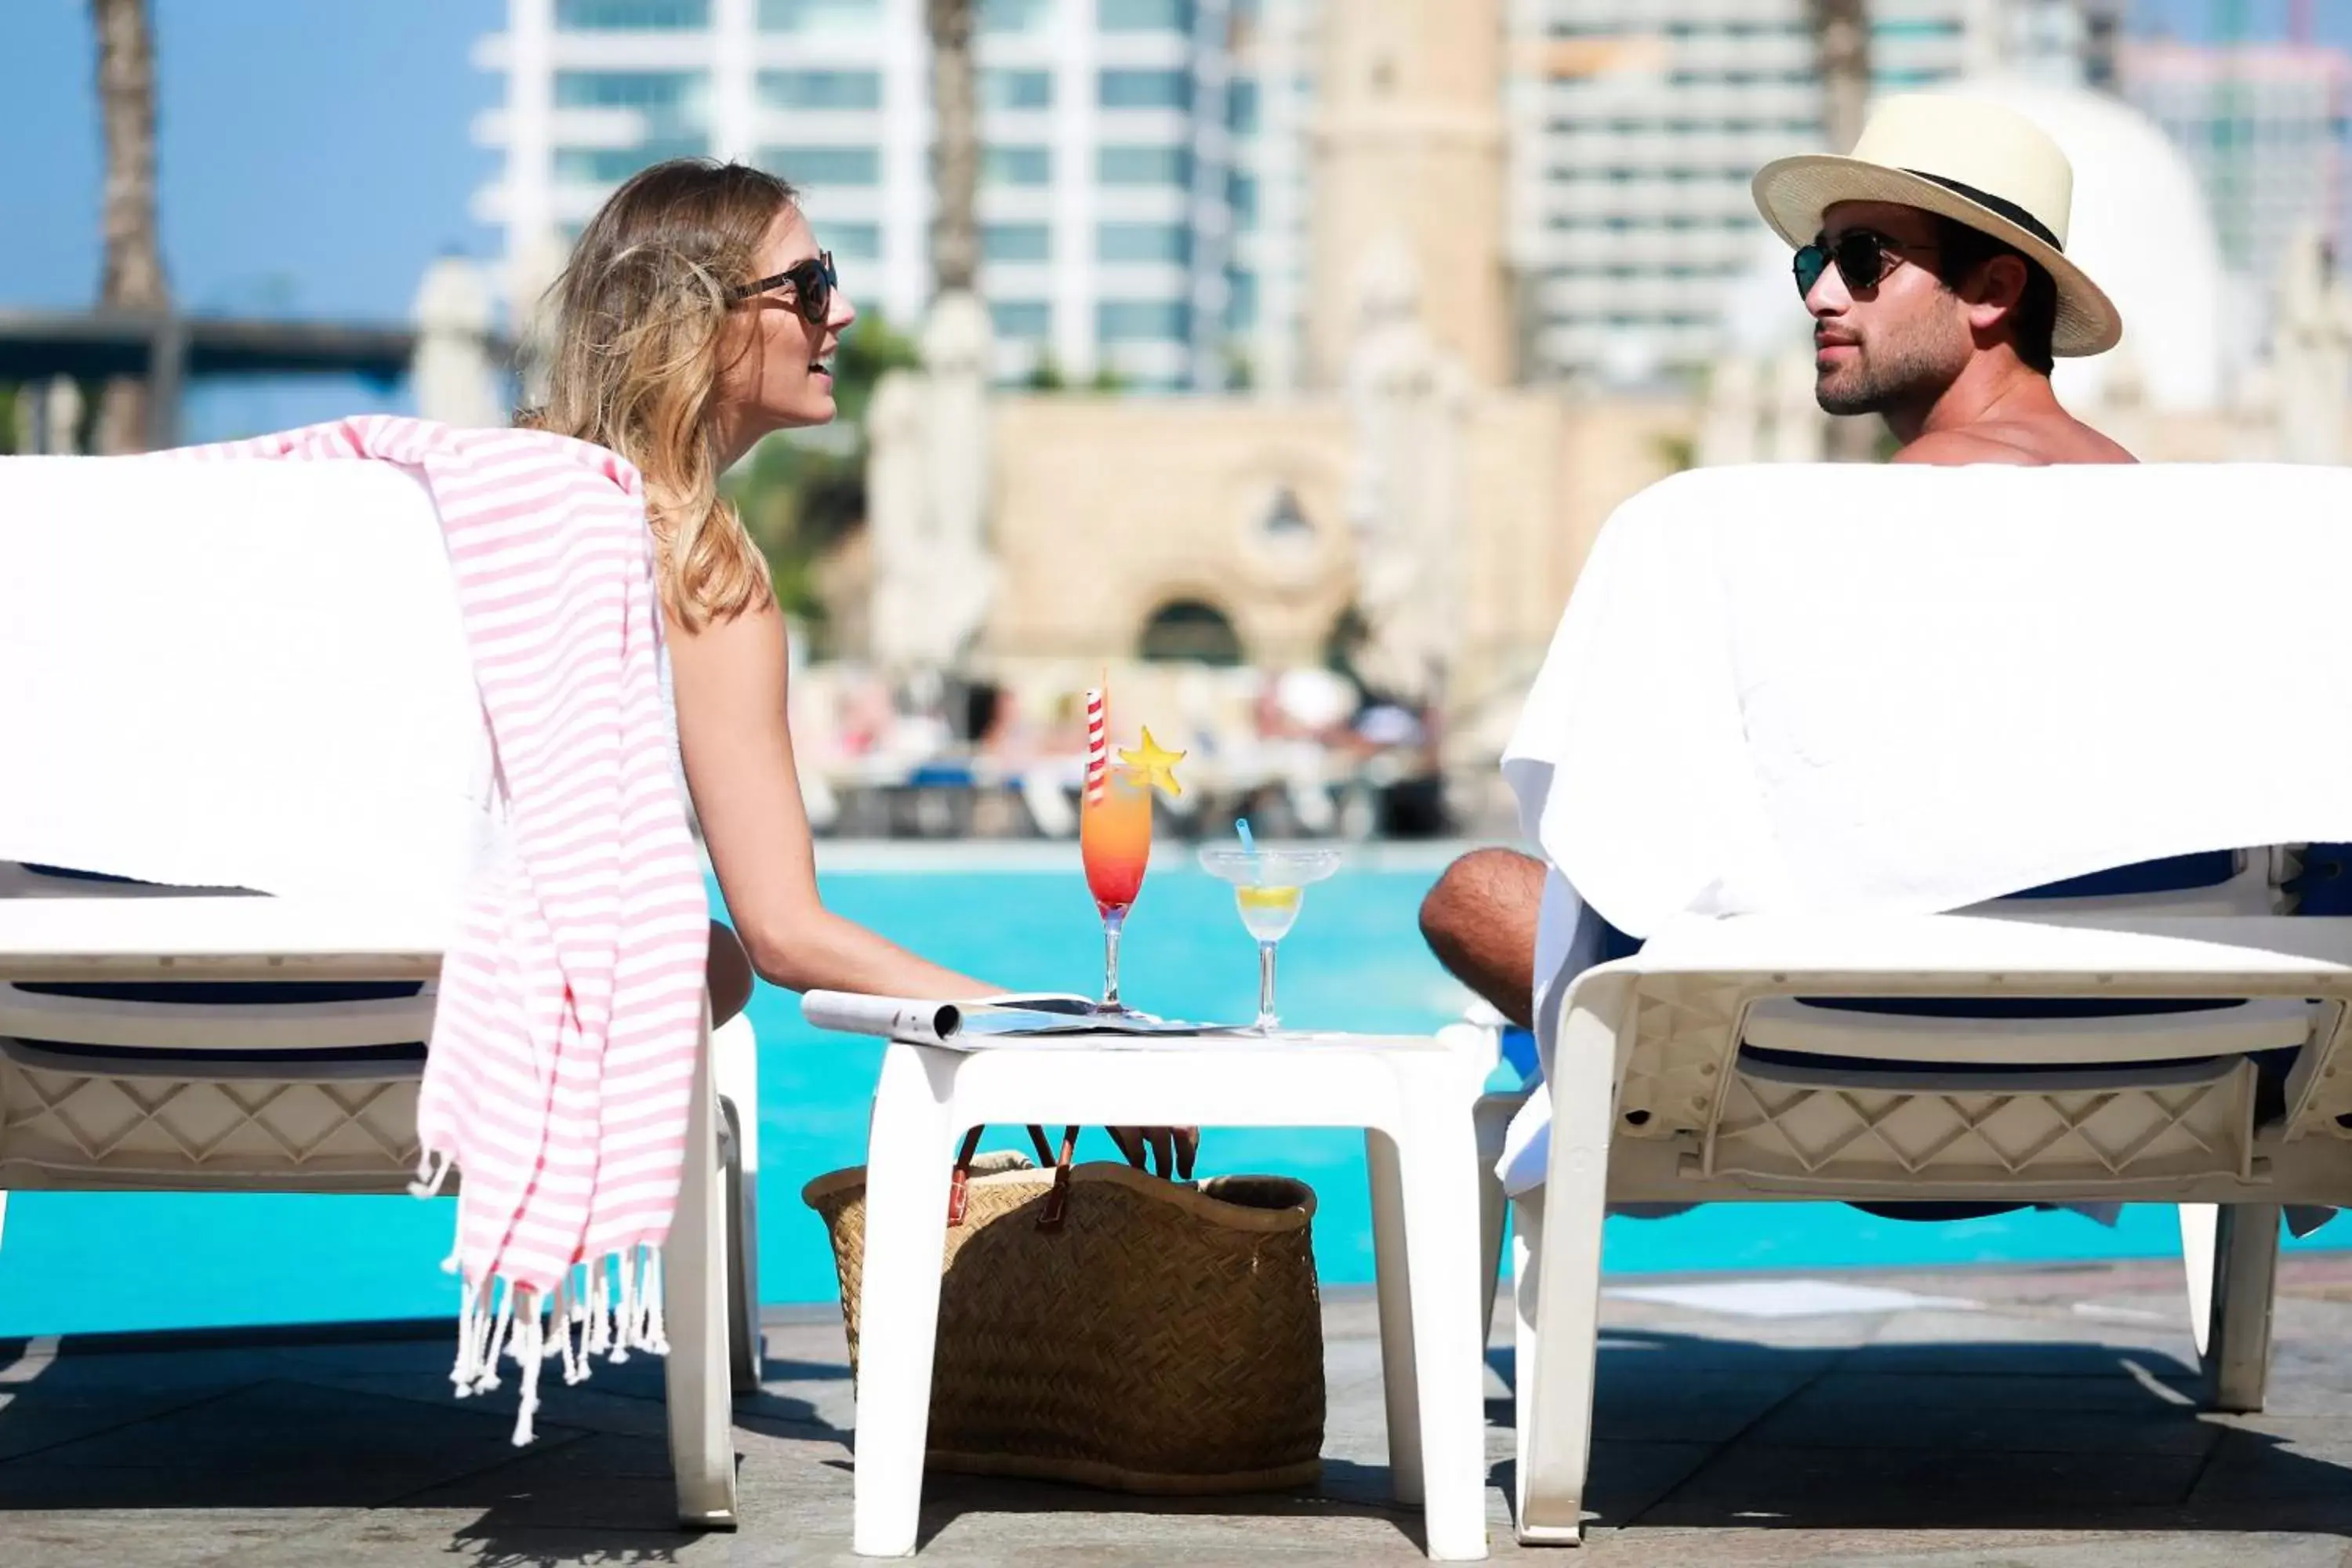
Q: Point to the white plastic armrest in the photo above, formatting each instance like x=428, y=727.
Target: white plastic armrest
x=224, y=938
x=1925, y=947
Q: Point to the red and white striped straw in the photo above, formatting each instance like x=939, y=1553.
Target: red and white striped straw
x=1097, y=745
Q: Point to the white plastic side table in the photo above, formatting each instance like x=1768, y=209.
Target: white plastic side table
x=1411, y=1094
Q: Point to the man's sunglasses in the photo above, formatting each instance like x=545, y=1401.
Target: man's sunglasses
x=1863, y=256
x=813, y=283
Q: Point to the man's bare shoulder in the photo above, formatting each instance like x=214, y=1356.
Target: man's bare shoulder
x=1955, y=447
x=2023, y=445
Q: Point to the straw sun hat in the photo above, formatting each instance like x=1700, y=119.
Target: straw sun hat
x=1975, y=163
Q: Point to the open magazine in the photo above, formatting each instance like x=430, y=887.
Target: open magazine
x=973, y=1023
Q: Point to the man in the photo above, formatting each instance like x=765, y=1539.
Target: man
x=1933, y=261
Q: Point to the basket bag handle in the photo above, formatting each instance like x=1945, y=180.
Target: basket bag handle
x=1056, y=1200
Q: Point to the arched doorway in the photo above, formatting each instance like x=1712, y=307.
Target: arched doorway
x=1346, y=641
x=1191, y=631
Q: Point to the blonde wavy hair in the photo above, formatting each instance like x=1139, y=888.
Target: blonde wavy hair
x=640, y=322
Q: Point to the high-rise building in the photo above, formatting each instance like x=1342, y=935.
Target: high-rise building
x=1636, y=126
x=1163, y=181
x=1110, y=197
x=1277, y=58
x=2263, y=124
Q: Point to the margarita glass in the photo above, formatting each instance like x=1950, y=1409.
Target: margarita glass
x=1115, y=842
x=1269, y=886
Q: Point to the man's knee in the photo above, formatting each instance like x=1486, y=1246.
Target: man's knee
x=1473, y=892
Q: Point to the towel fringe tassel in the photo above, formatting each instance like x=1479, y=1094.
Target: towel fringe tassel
x=609, y=1306
x=432, y=1171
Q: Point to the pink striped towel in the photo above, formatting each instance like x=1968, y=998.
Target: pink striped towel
x=570, y=1001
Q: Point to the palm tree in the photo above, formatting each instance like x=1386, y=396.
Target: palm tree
x=955, y=231
x=1841, y=45
x=131, y=274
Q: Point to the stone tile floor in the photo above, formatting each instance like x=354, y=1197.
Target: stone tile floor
x=2041, y=1417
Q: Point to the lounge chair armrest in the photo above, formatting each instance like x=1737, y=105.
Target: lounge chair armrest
x=211, y=937
x=1833, y=951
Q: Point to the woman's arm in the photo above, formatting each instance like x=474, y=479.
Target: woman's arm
x=738, y=746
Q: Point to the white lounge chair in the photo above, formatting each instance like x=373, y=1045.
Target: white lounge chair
x=173, y=1038
x=1656, y=1098
x=1789, y=708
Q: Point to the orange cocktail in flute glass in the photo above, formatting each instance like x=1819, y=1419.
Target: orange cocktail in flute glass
x=1114, y=831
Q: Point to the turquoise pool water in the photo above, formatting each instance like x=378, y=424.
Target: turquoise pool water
x=84, y=1262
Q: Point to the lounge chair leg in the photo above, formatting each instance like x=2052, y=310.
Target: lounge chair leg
x=1493, y=1120
x=743, y=1344
x=2199, y=1225
x=1554, y=1383
x=1399, y=1380
x=702, y=1438
x=899, y=1300
x=2236, y=1355
x=1527, y=1287
x=735, y=1063
x=1439, y=1157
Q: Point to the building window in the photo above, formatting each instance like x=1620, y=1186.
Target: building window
x=1144, y=165
x=1143, y=320
x=852, y=241
x=1145, y=16
x=820, y=16
x=1241, y=195
x=1016, y=242
x=1169, y=242
x=1145, y=89
x=1241, y=106
x=1016, y=15
x=1016, y=166
x=1285, y=522
x=1241, y=301
x=825, y=166
x=632, y=15
x=1027, y=318
x=821, y=89
x=672, y=102
x=1189, y=631
x=1016, y=89
x=611, y=165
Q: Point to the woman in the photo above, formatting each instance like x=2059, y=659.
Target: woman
x=696, y=316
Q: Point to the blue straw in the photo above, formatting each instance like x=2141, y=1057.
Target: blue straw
x=1241, y=825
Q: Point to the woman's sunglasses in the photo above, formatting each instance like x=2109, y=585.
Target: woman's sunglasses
x=813, y=283
x=1863, y=256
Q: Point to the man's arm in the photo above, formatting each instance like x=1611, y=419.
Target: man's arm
x=1480, y=922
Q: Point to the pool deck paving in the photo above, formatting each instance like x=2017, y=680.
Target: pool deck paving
x=2040, y=1416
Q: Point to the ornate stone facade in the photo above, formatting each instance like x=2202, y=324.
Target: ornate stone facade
x=1109, y=510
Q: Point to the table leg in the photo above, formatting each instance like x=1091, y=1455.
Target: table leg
x=907, y=1169
x=1399, y=1381
x=1439, y=1158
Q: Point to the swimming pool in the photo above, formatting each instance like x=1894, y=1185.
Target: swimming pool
x=73, y=1262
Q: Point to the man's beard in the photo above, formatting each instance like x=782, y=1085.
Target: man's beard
x=1887, y=373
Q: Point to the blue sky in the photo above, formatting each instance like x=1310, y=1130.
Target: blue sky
x=315, y=155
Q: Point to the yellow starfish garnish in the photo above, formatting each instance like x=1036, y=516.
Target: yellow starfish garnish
x=1155, y=764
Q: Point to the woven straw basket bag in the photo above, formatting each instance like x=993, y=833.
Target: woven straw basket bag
x=1114, y=1329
